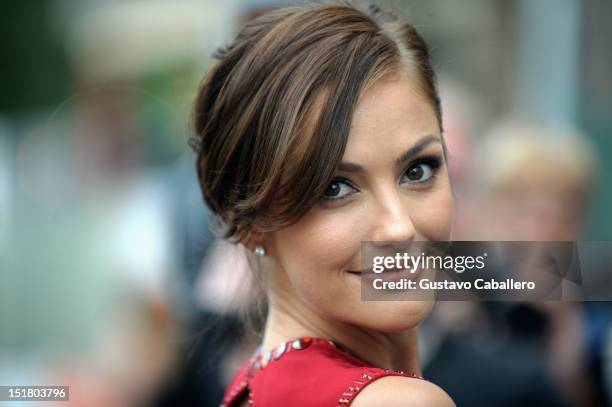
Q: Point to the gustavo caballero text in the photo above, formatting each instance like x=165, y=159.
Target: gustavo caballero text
x=478, y=284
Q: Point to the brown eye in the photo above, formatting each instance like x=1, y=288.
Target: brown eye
x=337, y=189
x=333, y=189
x=415, y=173
x=420, y=172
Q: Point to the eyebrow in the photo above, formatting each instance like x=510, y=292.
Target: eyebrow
x=406, y=156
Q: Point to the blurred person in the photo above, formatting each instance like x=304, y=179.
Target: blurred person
x=535, y=185
x=90, y=243
x=318, y=128
x=464, y=341
x=538, y=186
x=140, y=87
x=92, y=177
x=536, y=182
x=167, y=43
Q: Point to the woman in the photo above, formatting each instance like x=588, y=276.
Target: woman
x=318, y=128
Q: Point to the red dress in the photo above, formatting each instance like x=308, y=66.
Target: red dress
x=305, y=372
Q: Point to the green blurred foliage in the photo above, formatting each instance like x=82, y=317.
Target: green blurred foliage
x=34, y=68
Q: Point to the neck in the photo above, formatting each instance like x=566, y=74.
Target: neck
x=288, y=320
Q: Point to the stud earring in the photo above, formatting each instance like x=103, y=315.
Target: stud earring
x=260, y=250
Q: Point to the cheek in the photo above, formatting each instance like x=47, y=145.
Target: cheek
x=323, y=241
x=433, y=215
x=312, y=258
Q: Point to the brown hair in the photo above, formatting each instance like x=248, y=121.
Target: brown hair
x=273, y=114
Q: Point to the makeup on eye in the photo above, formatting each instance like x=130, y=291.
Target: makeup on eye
x=407, y=156
x=419, y=173
x=336, y=187
x=422, y=170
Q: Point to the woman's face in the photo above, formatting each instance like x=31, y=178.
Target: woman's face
x=392, y=185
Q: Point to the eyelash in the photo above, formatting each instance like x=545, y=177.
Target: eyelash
x=434, y=162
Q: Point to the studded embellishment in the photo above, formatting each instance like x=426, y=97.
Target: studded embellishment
x=250, y=399
x=235, y=391
x=278, y=352
x=367, y=376
x=266, y=359
x=261, y=359
x=301, y=343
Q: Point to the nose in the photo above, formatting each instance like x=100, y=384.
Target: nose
x=392, y=221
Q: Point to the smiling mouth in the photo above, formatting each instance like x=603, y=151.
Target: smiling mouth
x=391, y=272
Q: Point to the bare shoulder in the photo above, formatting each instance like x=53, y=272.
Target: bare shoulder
x=396, y=391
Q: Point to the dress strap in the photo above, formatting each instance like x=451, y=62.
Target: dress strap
x=238, y=386
x=366, y=377
x=260, y=360
x=357, y=374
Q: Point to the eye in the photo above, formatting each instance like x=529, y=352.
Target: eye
x=422, y=171
x=338, y=189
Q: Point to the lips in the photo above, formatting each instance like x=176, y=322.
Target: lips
x=391, y=274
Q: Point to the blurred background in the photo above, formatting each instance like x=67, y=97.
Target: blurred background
x=111, y=281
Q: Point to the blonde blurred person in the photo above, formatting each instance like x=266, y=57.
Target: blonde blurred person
x=536, y=182
x=536, y=185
